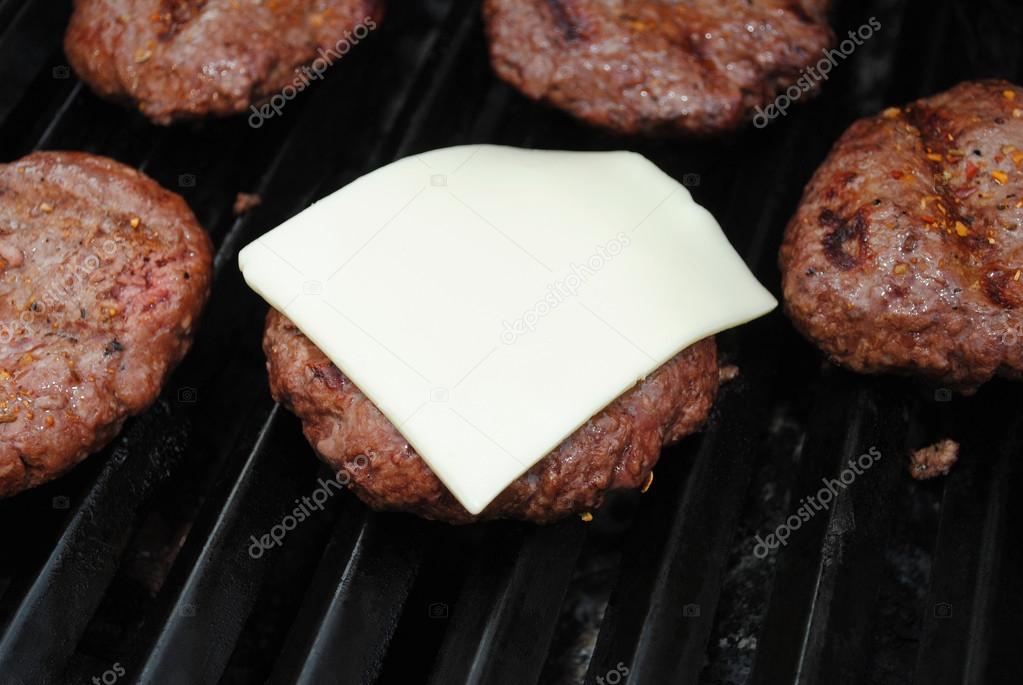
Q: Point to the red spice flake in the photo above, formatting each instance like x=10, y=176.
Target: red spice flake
x=897, y=175
x=965, y=192
x=971, y=171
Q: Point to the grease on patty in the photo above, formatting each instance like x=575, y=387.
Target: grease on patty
x=906, y=253
x=103, y=275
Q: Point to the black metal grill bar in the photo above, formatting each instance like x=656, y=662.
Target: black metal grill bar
x=71, y=582
x=355, y=600
x=25, y=46
x=106, y=503
x=660, y=617
x=175, y=637
x=209, y=610
x=505, y=617
x=664, y=641
x=955, y=637
x=433, y=89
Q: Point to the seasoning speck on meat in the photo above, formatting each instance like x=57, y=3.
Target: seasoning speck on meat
x=906, y=251
x=93, y=312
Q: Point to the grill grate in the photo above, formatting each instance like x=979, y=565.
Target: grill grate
x=140, y=556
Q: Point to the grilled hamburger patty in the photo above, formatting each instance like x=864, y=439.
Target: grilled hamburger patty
x=102, y=276
x=616, y=449
x=906, y=252
x=188, y=58
x=649, y=66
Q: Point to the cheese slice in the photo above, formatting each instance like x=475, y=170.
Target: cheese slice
x=491, y=300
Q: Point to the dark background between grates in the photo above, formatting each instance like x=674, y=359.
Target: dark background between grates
x=139, y=557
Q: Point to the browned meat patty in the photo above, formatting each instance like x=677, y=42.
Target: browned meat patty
x=906, y=252
x=181, y=59
x=655, y=66
x=616, y=449
x=102, y=276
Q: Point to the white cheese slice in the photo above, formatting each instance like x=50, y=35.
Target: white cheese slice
x=491, y=300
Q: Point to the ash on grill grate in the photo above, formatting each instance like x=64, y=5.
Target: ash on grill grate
x=139, y=560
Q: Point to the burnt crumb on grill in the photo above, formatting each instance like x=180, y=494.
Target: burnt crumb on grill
x=935, y=460
x=728, y=373
x=243, y=202
x=616, y=450
x=904, y=254
x=635, y=66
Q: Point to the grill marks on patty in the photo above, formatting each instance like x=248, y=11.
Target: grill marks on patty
x=637, y=66
x=905, y=254
x=847, y=244
x=183, y=59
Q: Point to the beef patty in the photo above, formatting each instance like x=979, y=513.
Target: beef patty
x=616, y=449
x=907, y=250
x=643, y=66
x=188, y=58
x=102, y=276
